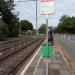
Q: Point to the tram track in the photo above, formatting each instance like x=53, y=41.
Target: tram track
x=14, y=48
x=10, y=62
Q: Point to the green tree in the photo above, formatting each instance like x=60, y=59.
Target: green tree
x=42, y=29
x=55, y=29
x=26, y=25
x=10, y=4
x=13, y=27
x=3, y=30
x=66, y=25
x=6, y=13
x=9, y=18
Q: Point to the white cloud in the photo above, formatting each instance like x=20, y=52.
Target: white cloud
x=27, y=11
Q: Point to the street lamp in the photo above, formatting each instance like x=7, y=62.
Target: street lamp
x=36, y=20
x=36, y=14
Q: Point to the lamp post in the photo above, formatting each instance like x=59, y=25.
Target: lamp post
x=36, y=21
x=36, y=15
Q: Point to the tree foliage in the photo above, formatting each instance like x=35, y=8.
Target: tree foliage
x=66, y=25
x=9, y=18
x=3, y=30
x=42, y=29
x=26, y=25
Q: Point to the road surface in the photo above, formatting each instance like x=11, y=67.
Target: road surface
x=67, y=44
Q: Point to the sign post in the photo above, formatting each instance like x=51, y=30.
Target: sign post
x=47, y=8
x=46, y=46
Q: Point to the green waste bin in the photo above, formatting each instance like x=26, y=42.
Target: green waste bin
x=45, y=52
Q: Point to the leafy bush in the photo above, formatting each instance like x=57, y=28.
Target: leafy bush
x=3, y=30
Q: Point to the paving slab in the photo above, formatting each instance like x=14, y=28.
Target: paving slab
x=56, y=65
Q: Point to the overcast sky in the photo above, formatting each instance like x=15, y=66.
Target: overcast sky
x=28, y=11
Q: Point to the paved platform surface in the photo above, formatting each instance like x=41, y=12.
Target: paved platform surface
x=56, y=65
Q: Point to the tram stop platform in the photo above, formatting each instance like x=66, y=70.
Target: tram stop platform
x=57, y=65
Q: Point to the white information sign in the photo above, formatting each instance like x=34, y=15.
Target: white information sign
x=47, y=7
